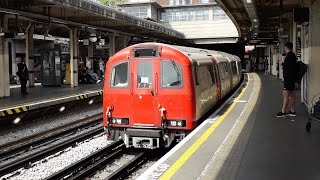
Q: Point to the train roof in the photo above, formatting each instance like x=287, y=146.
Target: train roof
x=197, y=55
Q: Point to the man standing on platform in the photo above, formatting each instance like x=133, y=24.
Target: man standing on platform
x=23, y=75
x=290, y=68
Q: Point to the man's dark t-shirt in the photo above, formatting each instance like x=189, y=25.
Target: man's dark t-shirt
x=290, y=71
x=290, y=68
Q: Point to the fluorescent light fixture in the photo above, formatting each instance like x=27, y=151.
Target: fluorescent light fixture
x=1, y=34
x=62, y=108
x=248, y=1
x=90, y=102
x=92, y=28
x=16, y=120
x=254, y=20
x=20, y=34
x=256, y=26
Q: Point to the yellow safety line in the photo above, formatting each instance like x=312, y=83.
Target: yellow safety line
x=17, y=110
x=9, y=111
x=60, y=97
x=187, y=154
x=24, y=108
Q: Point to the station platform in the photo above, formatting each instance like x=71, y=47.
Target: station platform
x=243, y=140
x=40, y=97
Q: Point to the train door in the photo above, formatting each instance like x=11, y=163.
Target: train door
x=223, y=79
x=217, y=79
x=143, y=92
x=218, y=82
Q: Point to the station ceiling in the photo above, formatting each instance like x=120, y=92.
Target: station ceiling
x=56, y=16
x=260, y=18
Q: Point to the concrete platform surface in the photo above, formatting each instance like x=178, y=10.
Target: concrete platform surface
x=39, y=94
x=245, y=141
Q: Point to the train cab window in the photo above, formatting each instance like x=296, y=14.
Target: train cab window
x=171, y=74
x=119, y=75
x=144, y=79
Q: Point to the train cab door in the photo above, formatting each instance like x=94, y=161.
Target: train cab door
x=217, y=79
x=144, y=89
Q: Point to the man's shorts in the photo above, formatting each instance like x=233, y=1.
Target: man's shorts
x=289, y=85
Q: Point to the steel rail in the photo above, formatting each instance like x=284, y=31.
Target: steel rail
x=6, y=168
x=23, y=145
x=128, y=168
x=87, y=166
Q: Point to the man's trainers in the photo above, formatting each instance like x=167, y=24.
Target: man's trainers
x=292, y=114
x=280, y=114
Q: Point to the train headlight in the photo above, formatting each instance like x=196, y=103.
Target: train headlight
x=120, y=121
x=175, y=123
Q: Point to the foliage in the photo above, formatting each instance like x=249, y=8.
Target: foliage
x=112, y=3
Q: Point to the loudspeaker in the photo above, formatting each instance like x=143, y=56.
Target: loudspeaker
x=301, y=14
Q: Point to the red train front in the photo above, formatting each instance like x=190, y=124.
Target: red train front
x=149, y=95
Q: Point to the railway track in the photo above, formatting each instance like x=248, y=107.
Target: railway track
x=91, y=164
x=8, y=167
x=26, y=144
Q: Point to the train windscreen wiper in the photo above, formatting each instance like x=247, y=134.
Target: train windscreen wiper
x=176, y=69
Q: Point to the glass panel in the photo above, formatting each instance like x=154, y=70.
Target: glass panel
x=171, y=74
x=211, y=72
x=119, y=75
x=226, y=70
x=203, y=1
x=185, y=14
x=144, y=79
x=48, y=63
x=139, y=11
x=218, y=13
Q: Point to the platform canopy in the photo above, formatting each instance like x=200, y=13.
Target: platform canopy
x=260, y=18
x=54, y=15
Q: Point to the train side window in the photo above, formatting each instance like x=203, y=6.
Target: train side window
x=226, y=70
x=233, y=68
x=203, y=77
x=211, y=72
x=221, y=71
x=119, y=75
x=171, y=74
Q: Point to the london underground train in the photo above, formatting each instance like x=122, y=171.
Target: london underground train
x=156, y=93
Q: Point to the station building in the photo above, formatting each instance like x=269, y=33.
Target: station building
x=202, y=21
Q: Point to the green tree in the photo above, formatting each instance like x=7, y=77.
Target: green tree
x=112, y=3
